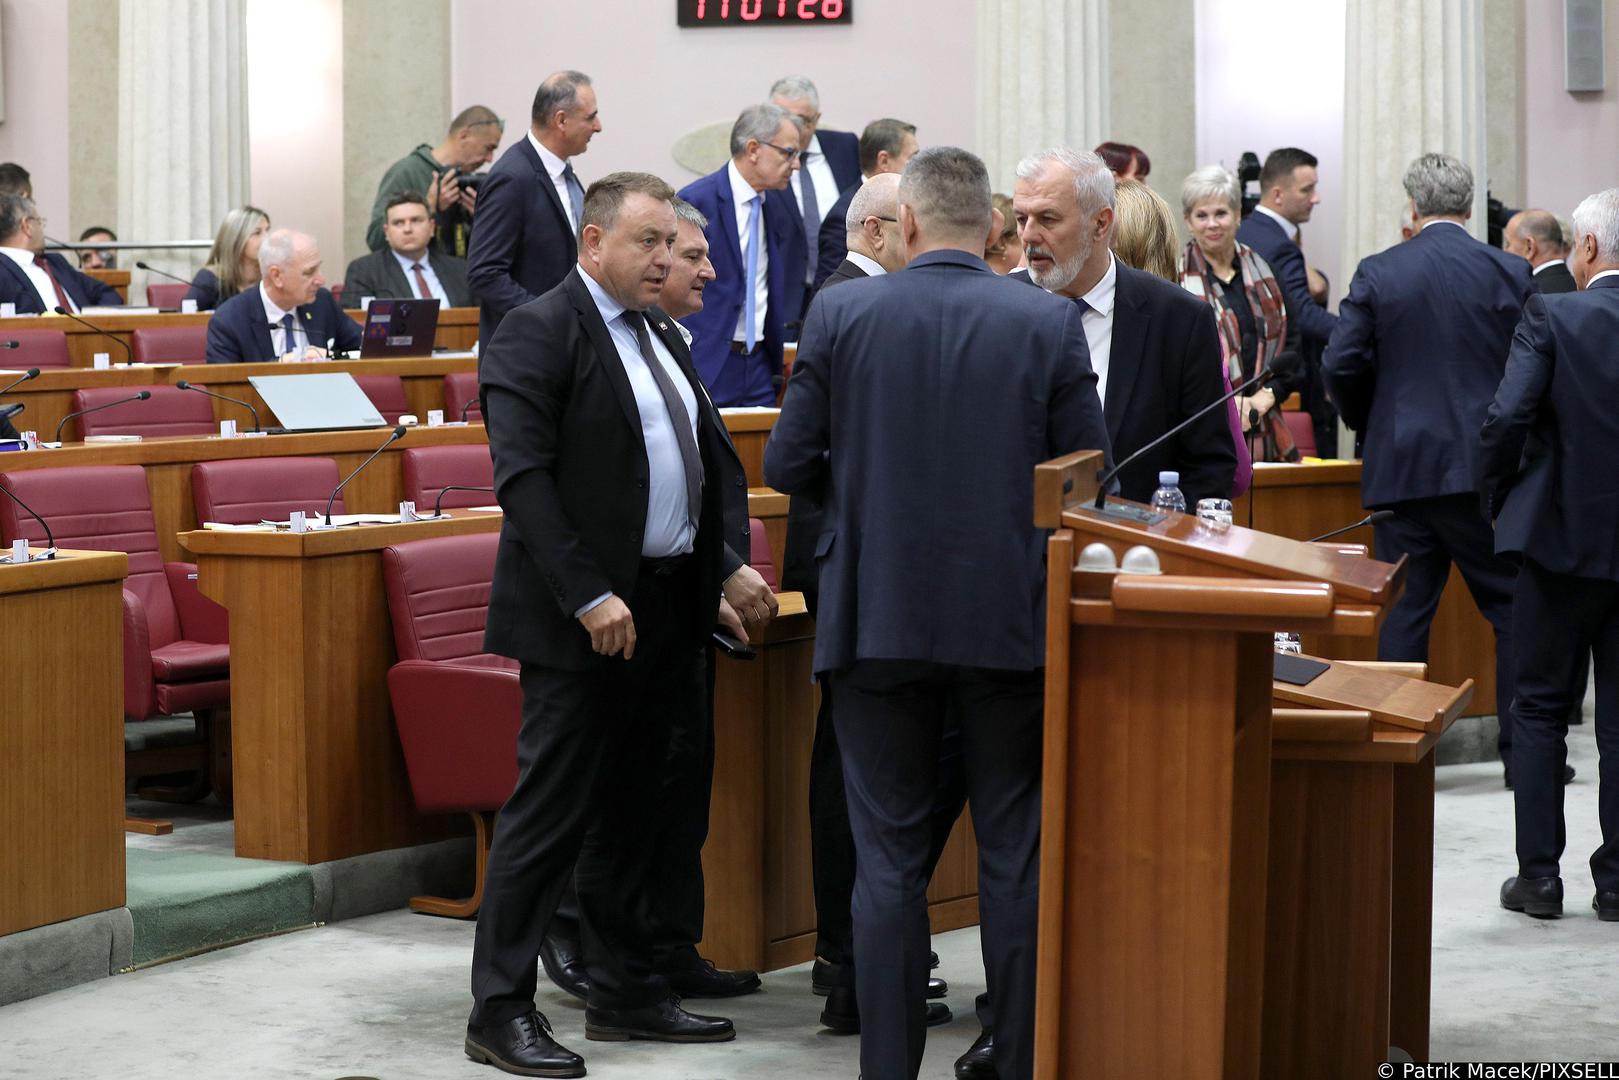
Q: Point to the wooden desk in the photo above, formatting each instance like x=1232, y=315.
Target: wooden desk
x=118, y=279
x=1306, y=500
x=62, y=772
x=750, y=430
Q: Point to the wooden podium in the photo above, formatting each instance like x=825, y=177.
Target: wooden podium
x=1157, y=778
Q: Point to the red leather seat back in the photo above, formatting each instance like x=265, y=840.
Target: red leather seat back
x=759, y=557
x=387, y=393
x=169, y=411
x=167, y=297
x=35, y=348
x=1302, y=425
x=245, y=491
x=438, y=597
x=427, y=470
x=461, y=393
x=101, y=508
x=171, y=344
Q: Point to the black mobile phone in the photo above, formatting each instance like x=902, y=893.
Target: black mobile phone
x=731, y=647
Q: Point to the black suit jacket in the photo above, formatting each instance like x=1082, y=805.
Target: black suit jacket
x=1550, y=436
x=951, y=385
x=571, y=474
x=521, y=244
x=833, y=242
x=239, y=333
x=1553, y=278
x=81, y=288
x=379, y=274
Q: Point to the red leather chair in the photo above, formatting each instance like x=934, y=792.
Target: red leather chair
x=457, y=707
x=427, y=470
x=35, y=348
x=166, y=297
x=759, y=557
x=245, y=491
x=169, y=411
x=176, y=651
x=387, y=393
x=171, y=344
x=461, y=397
x=1302, y=426
x=337, y=293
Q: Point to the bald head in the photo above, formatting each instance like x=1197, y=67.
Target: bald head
x=289, y=265
x=1534, y=235
x=873, y=222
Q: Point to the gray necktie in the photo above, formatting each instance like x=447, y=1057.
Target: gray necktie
x=576, y=194
x=690, y=456
x=812, y=221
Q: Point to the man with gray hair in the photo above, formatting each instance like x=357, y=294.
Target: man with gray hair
x=289, y=316
x=756, y=242
x=1535, y=236
x=1547, y=434
x=1418, y=351
x=829, y=166
x=951, y=385
x=36, y=281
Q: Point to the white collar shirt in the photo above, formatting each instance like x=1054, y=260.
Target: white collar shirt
x=553, y=168
x=280, y=340
x=1548, y=264
x=871, y=266
x=742, y=194
x=1098, y=323
x=38, y=278
x=1288, y=227
x=434, y=285
x=817, y=172
x=1598, y=277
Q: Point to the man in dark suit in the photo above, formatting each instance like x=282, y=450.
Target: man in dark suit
x=407, y=266
x=757, y=248
x=1536, y=237
x=290, y=316
x=523, y=237
x=1419, y=349
x=607, y=586
x=915, y=619
x=885, y=147
x=1153, y=345
x=1542, y=477
x=35, y=281
x=829, y=164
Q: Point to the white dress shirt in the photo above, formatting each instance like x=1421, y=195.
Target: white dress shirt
x=1098, y=324
x=871, y=266
x=38, y=278
x=1598, y=277
x=1288, y=227
x=815, y=166
x=741, y=193
x=553, y=167
x=1548, y=263
x=279, y=339
x=434, y=285
x=1443, y=221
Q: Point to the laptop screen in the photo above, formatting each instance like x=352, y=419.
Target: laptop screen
x=399, y=328
x=324, y=402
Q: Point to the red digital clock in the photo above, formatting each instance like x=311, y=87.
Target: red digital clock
x=763, y=12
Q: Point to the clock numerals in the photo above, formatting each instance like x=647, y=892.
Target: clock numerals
x=752, y=9
x=831, y=9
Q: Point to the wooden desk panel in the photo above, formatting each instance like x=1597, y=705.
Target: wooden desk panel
x=750, y=430
x=118, y=279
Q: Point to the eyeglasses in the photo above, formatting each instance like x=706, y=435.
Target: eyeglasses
x=788, y=153
x=497, y=122
x=879, y=217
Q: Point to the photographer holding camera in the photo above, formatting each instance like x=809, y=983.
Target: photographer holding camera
x=444, y=173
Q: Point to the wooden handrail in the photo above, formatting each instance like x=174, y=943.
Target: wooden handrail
x=1064, y=482
x=1223, y=596
x=1320, y=725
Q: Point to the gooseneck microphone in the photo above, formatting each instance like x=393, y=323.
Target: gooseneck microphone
x=31, y=373
x=128, y=352
x=1374, y=518
x=467, y=408
x=1106, y=478
x=398, y=433
x=50, y=541
x=438, y=502
x=248, y=405
x=150, y=269
x=141, y=396
x=10, y=344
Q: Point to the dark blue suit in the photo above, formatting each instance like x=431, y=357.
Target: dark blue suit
x=1546, y=475
x=734, y=378
x=239, y=333
x=950, y=385
x=521, y=244
x=832, y=246
x=1420, y=347
x=82, y=289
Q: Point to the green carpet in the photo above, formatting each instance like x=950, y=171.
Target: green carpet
x=185, y=901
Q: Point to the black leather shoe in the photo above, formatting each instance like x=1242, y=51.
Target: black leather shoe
x=523, y=1046
x=824, y=979
x=842, y=1012
x=1540, y=897
x=1606, y=905
x=933, y=959
x=664, y=1022
x=704, y=980
x=565, y=966
x=978, y=1063
x=1506, y=775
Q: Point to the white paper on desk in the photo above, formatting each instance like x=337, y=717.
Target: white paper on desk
x=487, y=509
x=317, y=517
x=119, y=310
x=225, y=526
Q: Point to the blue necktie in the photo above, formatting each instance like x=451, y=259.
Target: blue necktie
x=289, y=328
x=576, y=194
x=750, y=305
x=1083, y=305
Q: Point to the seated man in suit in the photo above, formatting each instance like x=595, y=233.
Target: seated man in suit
x=407, y=266
x=39, y=283
x=756, y=243
x=289, y=316
x=1154, y=346
x=885, y=146
x=1550, y=423
x=829, y=165
x=1535, y=236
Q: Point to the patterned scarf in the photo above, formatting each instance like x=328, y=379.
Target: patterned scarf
x=1264, y=297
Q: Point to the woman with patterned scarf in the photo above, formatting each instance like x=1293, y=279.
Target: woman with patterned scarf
x=1248, y=308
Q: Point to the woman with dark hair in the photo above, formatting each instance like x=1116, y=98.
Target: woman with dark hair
x=1127, y=162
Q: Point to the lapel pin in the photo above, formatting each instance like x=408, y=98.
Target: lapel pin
x=663, y=326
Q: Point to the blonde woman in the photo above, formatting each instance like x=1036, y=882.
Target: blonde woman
x=233, y=261
x=1005, y=253
x=1144, y=230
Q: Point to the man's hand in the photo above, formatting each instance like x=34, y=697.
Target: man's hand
x=469, y=196
x=443, y=193
x=731, y=624
x=612, y=628
x=747, y=592
x=1264, y=400
x=1318, y=285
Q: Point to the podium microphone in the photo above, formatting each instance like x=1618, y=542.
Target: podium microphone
x=1106, y=478
x=183, y=385
x=438, y=502
x=1374, y=518
x=31, y=373
x=128, y=352
x=150, y=269
x=50, y=541
x=141, y=396
x=398, y=433
x=467, y=408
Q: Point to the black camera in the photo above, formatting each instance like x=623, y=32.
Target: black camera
x=1248, y=169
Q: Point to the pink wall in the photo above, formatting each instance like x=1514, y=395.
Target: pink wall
x=655, y=82
x=1571, y=141
x=35, y=131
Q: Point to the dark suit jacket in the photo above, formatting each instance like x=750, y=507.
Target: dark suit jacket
x=713, y=327
x=1421, y=344
x=951, y=384
x=842, y=150
x=81, y=288
x=1276, y=247
x=521, y=245
x=1550, y=437
x=833, y=243
x=239, y=333
x=204, y=290
x=379, y=274
x=1555, y=278
x=571, y=474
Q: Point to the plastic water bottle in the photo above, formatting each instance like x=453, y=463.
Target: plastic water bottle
x=1168, y=496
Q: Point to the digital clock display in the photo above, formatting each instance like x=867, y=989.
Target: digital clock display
x=763, y=12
